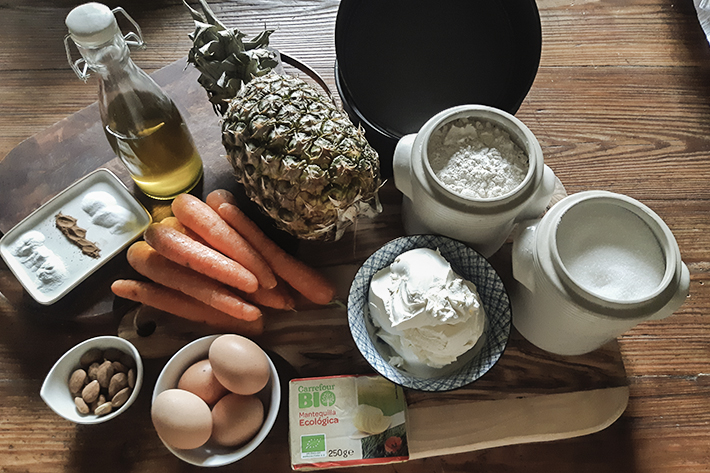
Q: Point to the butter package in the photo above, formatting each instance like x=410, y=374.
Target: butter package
x=341, y=421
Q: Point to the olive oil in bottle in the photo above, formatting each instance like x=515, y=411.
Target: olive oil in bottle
x=142, y=124
x=161, y=157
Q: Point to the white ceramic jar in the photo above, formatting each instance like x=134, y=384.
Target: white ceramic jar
x=428, y=206
x=596, y=265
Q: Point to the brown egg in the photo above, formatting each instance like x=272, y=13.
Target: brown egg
x=236, y=419
x=199, y=379
x=181, y=418
x=239, y=364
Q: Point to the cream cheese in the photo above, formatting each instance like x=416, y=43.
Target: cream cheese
x=426, y=312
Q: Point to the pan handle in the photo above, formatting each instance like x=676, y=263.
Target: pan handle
x=292, y=61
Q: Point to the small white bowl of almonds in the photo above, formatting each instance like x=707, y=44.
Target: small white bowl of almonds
x=94, y=381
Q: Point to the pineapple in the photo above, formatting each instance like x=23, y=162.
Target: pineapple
x=297, y=155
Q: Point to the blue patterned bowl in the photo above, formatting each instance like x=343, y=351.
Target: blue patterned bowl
x=470, y=265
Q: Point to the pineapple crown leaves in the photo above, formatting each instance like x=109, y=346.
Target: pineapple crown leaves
x=225, y=60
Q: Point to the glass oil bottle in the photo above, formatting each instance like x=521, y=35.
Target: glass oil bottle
x=141, y=122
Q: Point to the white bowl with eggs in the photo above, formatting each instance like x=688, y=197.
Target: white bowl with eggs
x=211, y=453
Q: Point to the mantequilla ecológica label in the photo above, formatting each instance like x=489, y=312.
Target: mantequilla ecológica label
x=345, y=421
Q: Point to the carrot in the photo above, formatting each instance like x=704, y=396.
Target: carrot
x=182, y=305
x=277, y=297
x=297, y=274
x=203, y=220
x=173, y=222
x=185, y=251
x=218, y=197
x=148, y=262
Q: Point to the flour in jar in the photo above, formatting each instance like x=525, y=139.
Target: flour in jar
x=476, y=159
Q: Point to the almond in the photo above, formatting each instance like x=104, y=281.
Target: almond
x=118, y=382
x=112, y=354
x=101, y=399
x=81, y=405
x=92, y=370
x=131, y=378
x=93, y=355
x=119, y=367
x=77, y=381
x=121, y=397
x=103, y=409
x=104, y=373
x=91, y=391
x=127, y=360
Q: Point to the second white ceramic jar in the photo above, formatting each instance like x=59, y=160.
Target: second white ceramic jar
x=596, y=265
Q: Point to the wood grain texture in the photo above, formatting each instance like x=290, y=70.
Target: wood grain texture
x=443, y=430
x=621, y=103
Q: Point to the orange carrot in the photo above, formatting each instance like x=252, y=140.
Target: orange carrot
x=182, y=305
x=297, y=274
x=173, y=222
x=203, y=220
x=277, y=297
x=185, y=251
x=218, y=197
x=148, y=262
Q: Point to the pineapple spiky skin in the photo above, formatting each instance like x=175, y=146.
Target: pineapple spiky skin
x=300, y=158
x=297, y=155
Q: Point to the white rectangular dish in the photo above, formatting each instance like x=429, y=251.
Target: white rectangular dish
x=46, y=262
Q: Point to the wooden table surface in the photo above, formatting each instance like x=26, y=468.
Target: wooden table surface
x=620, y=103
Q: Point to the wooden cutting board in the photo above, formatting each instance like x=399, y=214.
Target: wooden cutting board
x=529, y=395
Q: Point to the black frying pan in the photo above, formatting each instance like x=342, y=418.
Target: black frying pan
x=400, y=62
